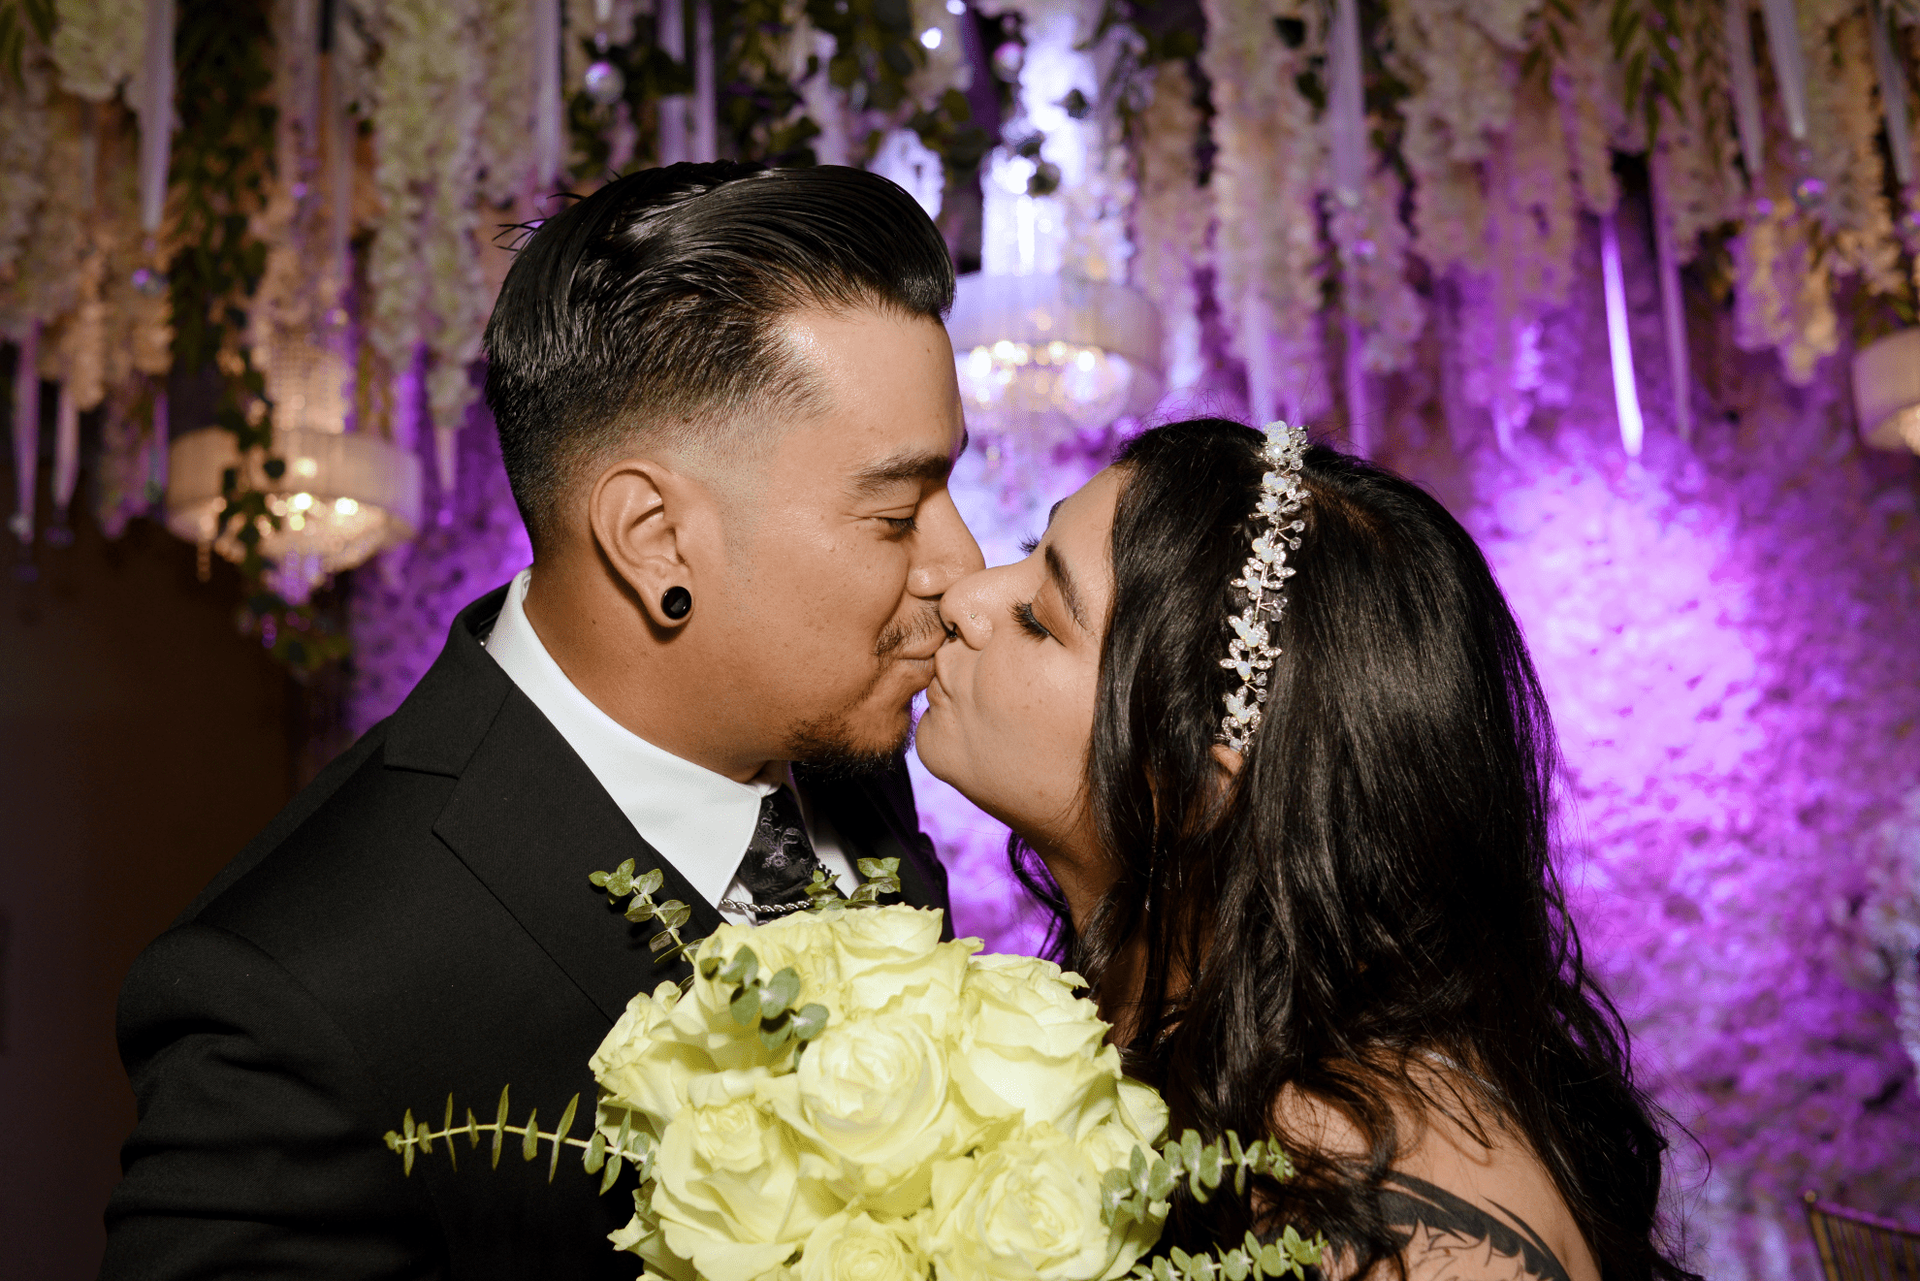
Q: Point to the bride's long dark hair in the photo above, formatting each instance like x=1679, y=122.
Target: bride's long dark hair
x=1375, y=890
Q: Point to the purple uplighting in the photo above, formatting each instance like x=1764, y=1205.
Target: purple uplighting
x=1726, y=634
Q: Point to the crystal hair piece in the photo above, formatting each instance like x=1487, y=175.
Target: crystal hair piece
x=1251, y=652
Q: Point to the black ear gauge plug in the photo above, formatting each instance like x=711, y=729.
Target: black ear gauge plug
x=676, y=603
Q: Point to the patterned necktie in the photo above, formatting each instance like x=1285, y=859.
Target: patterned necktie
x=780, y=860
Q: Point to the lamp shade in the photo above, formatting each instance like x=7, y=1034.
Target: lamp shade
x=1886, y=391
x=340, y=499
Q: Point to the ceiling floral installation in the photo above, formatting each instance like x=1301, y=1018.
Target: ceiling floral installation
x=305, y=201
x=1593, y=271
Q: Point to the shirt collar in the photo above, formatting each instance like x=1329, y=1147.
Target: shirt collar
x=698, y=820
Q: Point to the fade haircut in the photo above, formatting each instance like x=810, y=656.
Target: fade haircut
x=651, y=310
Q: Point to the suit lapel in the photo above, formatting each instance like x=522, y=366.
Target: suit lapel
x=530, y=821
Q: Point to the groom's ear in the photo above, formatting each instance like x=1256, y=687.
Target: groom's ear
x=649, y=523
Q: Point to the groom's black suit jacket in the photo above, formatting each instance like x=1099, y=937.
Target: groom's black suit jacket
x=418, y=922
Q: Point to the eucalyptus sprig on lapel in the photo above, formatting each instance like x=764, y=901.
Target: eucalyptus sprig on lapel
x=672, y=914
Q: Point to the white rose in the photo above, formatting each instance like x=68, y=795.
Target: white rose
x=729, y=1194
x=628, y=1070
x=870, y=1100
x=1026, y=1209
x=1027, y=1045
x=891, y=958
x=855, y=1247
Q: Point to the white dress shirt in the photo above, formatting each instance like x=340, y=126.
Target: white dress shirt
x=698, y=820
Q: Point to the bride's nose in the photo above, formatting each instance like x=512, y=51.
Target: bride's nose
x=965, y=607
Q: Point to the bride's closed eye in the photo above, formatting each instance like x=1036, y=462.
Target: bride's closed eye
x=1023, y=615
x=1023, y=610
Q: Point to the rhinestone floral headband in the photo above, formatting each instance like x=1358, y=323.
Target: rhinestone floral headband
x=1251, y=652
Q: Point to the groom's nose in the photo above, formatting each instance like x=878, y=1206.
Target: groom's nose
x=945, y=549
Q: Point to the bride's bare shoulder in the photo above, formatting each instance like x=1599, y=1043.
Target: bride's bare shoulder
x=1471, y=1210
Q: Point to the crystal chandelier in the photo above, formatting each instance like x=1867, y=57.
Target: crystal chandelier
x=1048, y=339
x=338, y=499
x=1045, y=356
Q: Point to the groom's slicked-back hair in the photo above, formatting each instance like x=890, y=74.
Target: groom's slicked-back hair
x=653, y=308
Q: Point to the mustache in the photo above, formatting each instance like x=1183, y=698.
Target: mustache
x=923, y=626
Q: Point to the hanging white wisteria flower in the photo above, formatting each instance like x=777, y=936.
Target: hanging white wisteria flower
x=46, y=285
x=1585, y=82
x=1374, y=289
x=1268, y=173
x=1171, y=219
x=1700, y=184
x=504, y=148
x=424, y=269
x=1856, y=203
x=1782, y=299
x=97, y=45
x=24, y=129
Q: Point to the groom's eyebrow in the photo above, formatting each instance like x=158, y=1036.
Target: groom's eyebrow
x=921, y=468
x=1057, y=571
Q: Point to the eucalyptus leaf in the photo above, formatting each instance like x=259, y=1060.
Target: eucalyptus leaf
x=809, y=1021
x=782, y=990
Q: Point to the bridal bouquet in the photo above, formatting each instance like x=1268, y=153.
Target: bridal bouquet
x=840, y=1096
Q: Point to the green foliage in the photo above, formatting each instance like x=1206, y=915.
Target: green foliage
x=222, y=166
x=1144, y=1186
x=1290, y=1256
x=1548, y=44
x=223, y=163
x=761, y=112
x=1649, y=47
x=600, y=1154
x=672, y=914
x=20, y=19
x=760, y=108
x=766, y=1003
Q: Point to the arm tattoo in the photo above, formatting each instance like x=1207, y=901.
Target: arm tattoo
x=1450, y=1239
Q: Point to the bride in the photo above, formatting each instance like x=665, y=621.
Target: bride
x=1319, y=905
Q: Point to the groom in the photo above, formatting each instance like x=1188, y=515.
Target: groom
x=728, y=410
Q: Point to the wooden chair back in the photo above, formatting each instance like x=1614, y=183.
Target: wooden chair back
x=1859, y=1247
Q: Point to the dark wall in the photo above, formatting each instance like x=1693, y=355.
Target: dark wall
x=142, y=741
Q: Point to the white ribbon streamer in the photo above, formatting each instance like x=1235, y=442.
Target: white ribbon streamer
x=670, y=33
x=1745, y=84
x=1359, y=402
x=66, y=453
x=547, y=98
x=1626, y=396
x=1346, y=105
x=155, y=110
x=1673, y=306
x=446, y=441
x=1789, y=62
x=706, y=97
x=26, y=430
x=1893, y=95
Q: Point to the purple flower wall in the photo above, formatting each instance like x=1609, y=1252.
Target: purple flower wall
x=1727, y=633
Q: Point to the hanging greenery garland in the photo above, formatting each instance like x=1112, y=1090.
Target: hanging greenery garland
x=222, y=167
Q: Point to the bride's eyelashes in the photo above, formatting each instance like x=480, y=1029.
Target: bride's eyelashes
x=1023, y=615
x=1027, y=545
